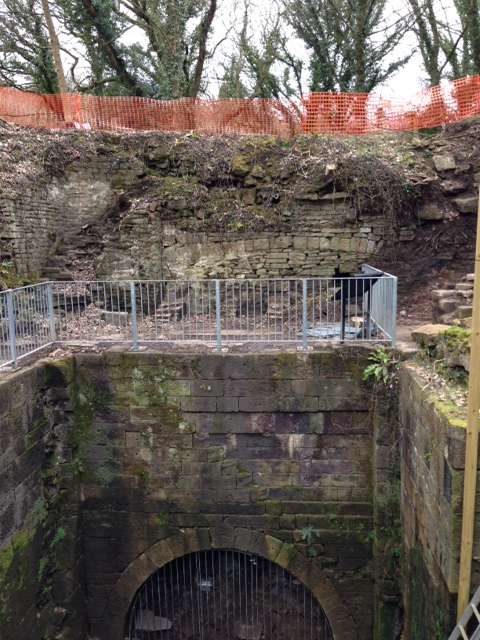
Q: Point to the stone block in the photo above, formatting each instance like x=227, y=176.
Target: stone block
x=199, y=403
x=313, y=242
x=273, y=480
x=227, y=404
x=261, y=244
x=207, y=388
x=267, y=387
x=468, y=204
x=430, y=211
x=223, y=537
x=300, y=242
x=305, y=404
x=201, y=469
x=429, y=334
x=258, y=404
x=282, y=242
x=346, y=423
x=444, y=162
x=464, y=311
x=466, y=323
x=207, y=482
x=243, y=479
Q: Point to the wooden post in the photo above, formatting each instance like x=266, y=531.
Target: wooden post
x=471, y=444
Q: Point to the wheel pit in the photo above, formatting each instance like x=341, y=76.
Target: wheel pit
x=154, y=459
x=222, y=594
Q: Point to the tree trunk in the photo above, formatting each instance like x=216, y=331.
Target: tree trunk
x=62, y=83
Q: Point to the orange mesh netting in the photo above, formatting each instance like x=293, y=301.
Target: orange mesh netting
x=322, y=113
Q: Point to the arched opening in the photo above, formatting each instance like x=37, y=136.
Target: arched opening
x=221, y=595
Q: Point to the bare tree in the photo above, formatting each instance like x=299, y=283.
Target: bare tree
x=448, y=37
x=262, y=64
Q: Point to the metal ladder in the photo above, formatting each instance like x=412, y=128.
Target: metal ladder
x=470, y=614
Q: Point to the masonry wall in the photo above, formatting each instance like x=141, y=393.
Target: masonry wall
x=323, y=237
x=432, y=455
x=223, y=445
x=143, y=216
x=36, y=220
x=41, y=565
x=113, y=464
x=197, y=452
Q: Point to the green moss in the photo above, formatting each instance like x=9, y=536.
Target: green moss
x=6, y=559
x=169, y=415
x=22, y=537
x=457, y=338
x=42, y=565
x=454, y=414
x=90, y=398
x=5, y=613
x=241, y=164
x=59, y=373
x=58, y=536
x=429, y=608
x=162, y=520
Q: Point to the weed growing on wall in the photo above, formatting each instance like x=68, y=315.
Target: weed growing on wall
x=10, y=278
x=309, y=534
x=383, y=367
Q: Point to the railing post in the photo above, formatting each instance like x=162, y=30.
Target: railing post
x=51, y=316
x=11, y=328
x=304, y=314
x=133, y=303
x=217, y=310
x=394, y=312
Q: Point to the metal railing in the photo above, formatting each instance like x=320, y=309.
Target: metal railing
x=468, y=627
x=27, y=321
x=354, y=309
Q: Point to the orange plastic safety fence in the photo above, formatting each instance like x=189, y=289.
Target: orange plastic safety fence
x=322, y=113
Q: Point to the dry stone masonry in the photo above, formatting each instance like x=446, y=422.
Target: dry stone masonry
x=164, y=206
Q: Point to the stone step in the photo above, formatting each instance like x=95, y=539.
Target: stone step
x=56, y=273
x=464, y=311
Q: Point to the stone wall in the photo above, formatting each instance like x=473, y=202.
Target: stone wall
x=180, y=206
x=323, y=237
x=113, y=464
x=432, y=455
x=37, y=220
x=220, y=451
x=174, y=223
x=41, y=567
x=215, y=448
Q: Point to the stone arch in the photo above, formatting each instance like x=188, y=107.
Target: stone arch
x=255, y=542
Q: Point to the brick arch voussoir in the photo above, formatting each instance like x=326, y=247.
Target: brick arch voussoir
x=266, y=546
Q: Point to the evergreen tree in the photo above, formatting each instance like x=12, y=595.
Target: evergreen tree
x=26, y=60
x=348, y=42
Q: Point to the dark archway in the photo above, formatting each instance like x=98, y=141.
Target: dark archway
x=225, y=595
x=282, y=554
